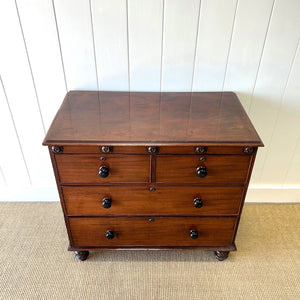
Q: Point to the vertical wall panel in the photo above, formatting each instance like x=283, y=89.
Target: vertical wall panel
x=278, y=55
x=11, y=158
x=251, y=24
x=39, y=27
x=286, y=132
x=292, y=176
x=18, y=84
x=110, y=36
x=180, y=32
x=2, y=179
x=145, y=39
x=76, y=38
x=214, y=35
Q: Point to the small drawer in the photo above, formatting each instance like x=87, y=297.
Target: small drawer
x=97, y=169
x=202, y=168
x=151, y=231
x=106, y=149
x=144, y=200
x=237, y=150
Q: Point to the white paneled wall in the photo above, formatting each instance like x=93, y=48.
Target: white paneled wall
x=48, y=47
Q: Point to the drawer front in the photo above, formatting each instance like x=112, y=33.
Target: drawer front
x=139, y=200
x=219, y=168
x=160, y=231
x=203, y=149
x=85, y=168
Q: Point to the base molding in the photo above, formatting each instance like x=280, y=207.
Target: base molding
x=273, y=194
x=155, y=248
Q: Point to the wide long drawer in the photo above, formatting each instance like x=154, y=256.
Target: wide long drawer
x=149, y=200
x=202, y=169
x=158, y=231
x=116, y=168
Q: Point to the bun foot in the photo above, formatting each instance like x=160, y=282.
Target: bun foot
x=82, y=255
x=221, y=255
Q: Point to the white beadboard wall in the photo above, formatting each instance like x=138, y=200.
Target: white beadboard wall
x=49, y=47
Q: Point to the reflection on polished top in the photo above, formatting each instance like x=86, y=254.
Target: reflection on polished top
x=138, y=118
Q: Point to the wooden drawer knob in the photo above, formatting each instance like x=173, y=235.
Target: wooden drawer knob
x=110, y=234
x=201, y=171
x=103, y=171
x=106, y=149
x=106, y=202
x=152, y=149
x=198, y=203
x=193, y=234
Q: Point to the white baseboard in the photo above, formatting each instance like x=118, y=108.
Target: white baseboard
x=273, y=194
x=29, y=194
x=254, y=195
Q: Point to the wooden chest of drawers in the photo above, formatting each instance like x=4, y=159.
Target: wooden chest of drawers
x=152, y=170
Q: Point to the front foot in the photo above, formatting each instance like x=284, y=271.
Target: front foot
x=82, y=255
x=221, y=255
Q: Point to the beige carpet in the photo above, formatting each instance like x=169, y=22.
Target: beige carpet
x=35, y=264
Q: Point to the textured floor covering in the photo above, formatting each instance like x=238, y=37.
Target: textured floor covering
x=34, y=263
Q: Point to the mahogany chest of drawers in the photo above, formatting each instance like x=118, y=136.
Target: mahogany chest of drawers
x=152, y=170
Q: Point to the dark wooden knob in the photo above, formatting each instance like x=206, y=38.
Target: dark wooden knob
x=200, y=149
x=110, y=234
x=201, y=171
x=193, y=234
x=106, y=202
x=57, y=149
x=103, y=171
x=198, y=202
x=106, y=149
x=152, y=149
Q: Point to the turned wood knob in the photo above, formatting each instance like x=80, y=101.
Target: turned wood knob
x=106, y=149
x=106, y=202
x=152, y=149
x=57, y=149
x=103, y=171
x=201, y=171
x=193, y=234
x=198, y=203
x=200, y=149
x=110, y=234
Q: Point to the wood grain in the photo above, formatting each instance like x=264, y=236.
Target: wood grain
x=158, y=232
x=139, y=200
x=123, y=118
x=85, y=168
x=151, y=145
x=220, y=169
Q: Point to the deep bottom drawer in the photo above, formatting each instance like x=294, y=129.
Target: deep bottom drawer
x=158, y=231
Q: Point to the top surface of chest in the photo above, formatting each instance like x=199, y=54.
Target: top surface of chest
x=138, y=118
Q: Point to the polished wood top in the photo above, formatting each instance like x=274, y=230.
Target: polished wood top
x=151, y=118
